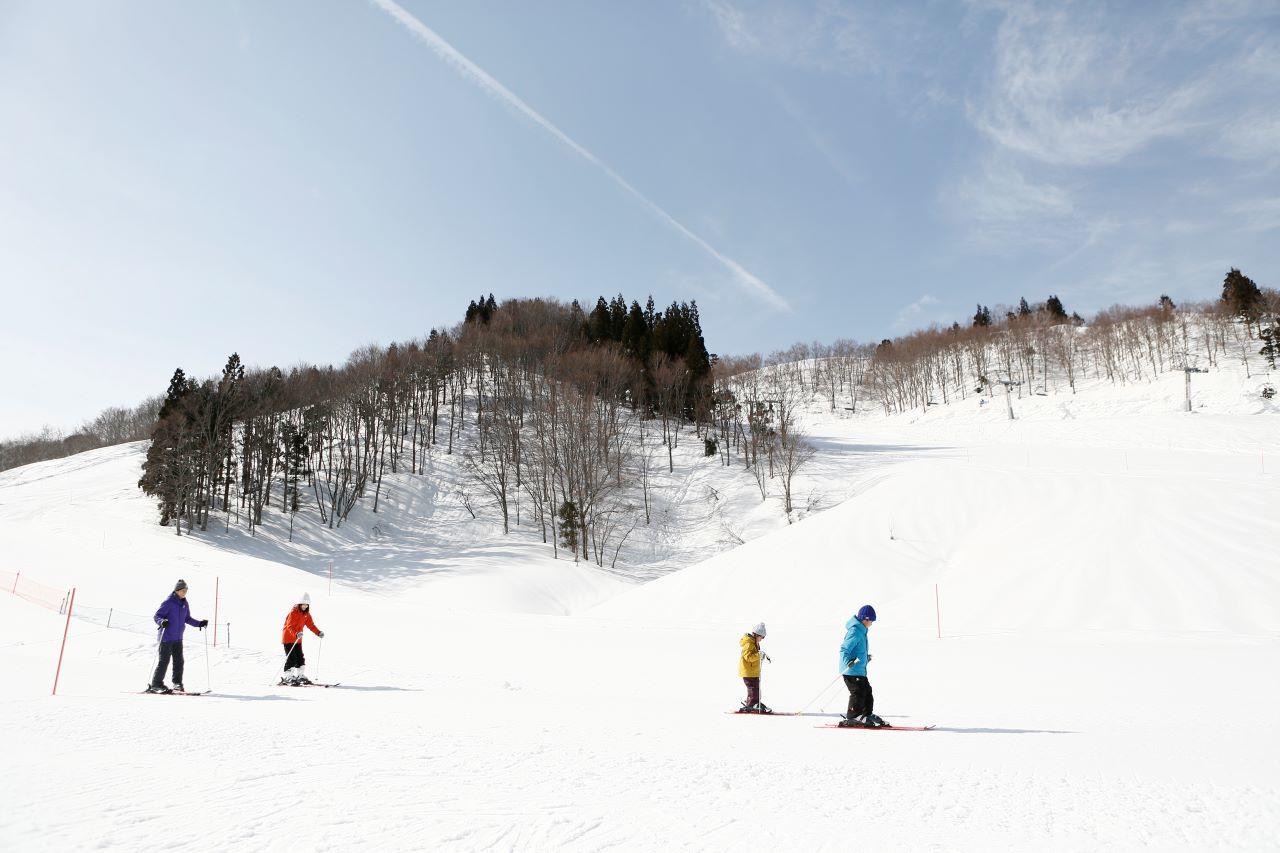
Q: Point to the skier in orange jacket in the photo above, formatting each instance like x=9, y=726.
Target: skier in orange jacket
x=294, y=663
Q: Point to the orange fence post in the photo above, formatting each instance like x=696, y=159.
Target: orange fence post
x=65, y=630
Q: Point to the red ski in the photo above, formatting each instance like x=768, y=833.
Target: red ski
x=757, y=714
x=170, y=693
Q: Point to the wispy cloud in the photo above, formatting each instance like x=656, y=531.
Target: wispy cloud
x=1067, y=92
x=1000, y=207
x=1260, y=214
x=912, y=52
x=1253, y=138
x=1080, y=85
x=1077, y=91
x=924, y=310
x=751, y=283
x=828, y=36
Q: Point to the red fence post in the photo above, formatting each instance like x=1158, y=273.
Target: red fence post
x=216, y=584
x=67, y=628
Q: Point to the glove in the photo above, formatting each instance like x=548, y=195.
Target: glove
x=854, y=662
x=766, y=657
x=869, y=658
x=164, y=623
x=320, y=634
x=203, y=623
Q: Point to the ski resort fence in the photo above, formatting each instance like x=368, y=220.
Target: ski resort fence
x=59, y=600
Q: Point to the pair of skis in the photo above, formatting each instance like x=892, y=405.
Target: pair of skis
x=832, y=725
x=284, y=683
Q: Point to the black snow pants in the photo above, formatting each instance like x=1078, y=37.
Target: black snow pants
x=753, y=690
x=168, y=651
x=860, y=699
x=294, y=658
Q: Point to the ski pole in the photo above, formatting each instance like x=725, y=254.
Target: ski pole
x=821, y=693
x=318, y=651
x=159, y=636
x=289, y=655
x=207, y=679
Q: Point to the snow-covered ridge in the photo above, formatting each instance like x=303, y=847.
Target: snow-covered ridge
x=962, y=491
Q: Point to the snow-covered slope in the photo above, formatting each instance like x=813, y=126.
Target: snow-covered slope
x=1177, y=541
x=1110, y=598
x=82, y=521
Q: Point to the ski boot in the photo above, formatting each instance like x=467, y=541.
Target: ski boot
x=302, y=681
x=158, y=688
x=877, y=723
x=178, y=688
x=761, y=708
x=859, y=722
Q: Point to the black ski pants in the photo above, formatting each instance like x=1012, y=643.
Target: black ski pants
x=293, y=655
x=169, y=651
x=860, y=699
x=753, y=690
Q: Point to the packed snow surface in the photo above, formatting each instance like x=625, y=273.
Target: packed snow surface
x=1103, y=572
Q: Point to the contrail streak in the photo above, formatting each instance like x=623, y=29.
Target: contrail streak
x=482, y=78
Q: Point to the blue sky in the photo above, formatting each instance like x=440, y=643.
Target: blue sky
x=293, y=180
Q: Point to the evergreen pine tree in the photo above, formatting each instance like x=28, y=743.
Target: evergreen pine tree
x=617, y=317
x=569, y=521
x=1271, y=345
x=635, y=334
x=179, y=387
x=1053, y=305
x=1241, y=295
x=599, y=322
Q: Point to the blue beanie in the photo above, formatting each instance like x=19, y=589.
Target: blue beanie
x=867, y=612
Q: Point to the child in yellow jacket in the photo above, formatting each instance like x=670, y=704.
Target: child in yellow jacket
x=749, y=670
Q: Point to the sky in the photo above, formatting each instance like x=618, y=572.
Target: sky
x=293, y=180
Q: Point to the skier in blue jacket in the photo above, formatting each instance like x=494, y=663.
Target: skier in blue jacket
x=173, y=617
x=854, y=657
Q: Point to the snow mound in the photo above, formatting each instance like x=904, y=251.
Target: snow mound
x=1185, y=544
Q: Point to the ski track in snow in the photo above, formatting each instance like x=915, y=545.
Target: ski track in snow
x=1110, y=608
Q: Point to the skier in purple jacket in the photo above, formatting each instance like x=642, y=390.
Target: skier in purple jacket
x=173, y=617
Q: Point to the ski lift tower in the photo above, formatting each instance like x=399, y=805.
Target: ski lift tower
x=1009, y=385
x=1187, y=369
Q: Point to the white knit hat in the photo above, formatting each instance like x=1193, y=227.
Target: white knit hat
x=758, y=630
x=306, y=599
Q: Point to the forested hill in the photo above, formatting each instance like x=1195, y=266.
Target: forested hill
x=554, y=412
